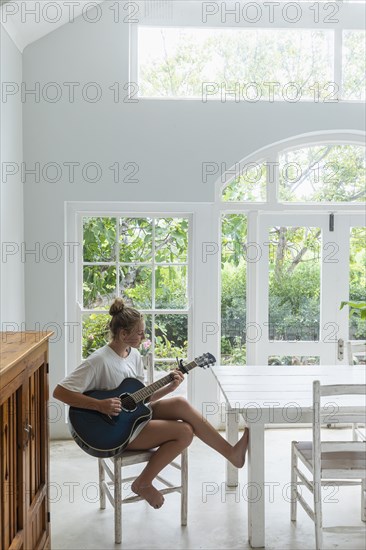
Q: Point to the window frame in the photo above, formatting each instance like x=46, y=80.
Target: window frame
x=74, y=309
x=256, y=210
x=270, y=154
x=117, y=263
x=189, y=15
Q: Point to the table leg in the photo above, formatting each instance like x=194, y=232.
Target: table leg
x=232, y=433
x=255, y=490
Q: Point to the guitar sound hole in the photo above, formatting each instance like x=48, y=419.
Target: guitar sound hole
x=128, y=404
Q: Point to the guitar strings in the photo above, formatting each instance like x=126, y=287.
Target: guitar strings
x=145, y=392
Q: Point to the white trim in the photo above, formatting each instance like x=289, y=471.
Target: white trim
x=290, y=207
x=338, y=61
x=150, y=311
x=269, y=153
x=133, y=54
x=191, y=14
x=253, y=288
x=314, y=214
x=202, y=281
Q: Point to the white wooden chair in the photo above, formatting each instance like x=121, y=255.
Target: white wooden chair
x=329, y=463
x=112, y=468
x=357, y=350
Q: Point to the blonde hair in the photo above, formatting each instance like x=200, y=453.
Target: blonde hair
x=123, y=318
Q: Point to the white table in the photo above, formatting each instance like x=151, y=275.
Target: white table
x=274, y=395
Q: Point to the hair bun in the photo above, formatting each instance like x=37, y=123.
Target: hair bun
x=117, y=307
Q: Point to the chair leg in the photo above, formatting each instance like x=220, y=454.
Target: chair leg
x=117, y=500
x=101, y=486
x=363, y=500
x=293, y=483
x=318, y=521
x=184, y=484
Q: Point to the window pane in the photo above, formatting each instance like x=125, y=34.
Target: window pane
x=135, y=238
x=257, y=64
x=354, y=65
x=250, y=185
x=95, y=332
x=99, y=239
x=294, y=283
x=147, y=343
x=233, y=289
x=293, y=360
x=357, y=293
x=135, y=286
x=99, y=286
x=171, y=287
x=171, y=336
x=325, y=173
x=132, y=273
x=171, y=240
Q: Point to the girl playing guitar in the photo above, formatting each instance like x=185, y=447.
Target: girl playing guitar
x=174, y=421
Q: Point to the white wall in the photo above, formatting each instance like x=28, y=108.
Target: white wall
x=168, y=139
x=12, y=313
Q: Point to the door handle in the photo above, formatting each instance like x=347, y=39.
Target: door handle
x=340, y=349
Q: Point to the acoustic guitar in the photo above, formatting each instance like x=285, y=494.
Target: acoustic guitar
x=105, y=436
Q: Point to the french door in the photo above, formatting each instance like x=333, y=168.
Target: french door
x=303, y=273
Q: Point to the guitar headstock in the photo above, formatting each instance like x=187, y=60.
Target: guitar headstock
x=205, y=360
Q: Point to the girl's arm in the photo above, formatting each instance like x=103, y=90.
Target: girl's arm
x=178, y=378
x=110, y=406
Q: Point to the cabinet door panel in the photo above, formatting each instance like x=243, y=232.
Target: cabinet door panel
x=11, y=473
x=24, y=455
x=36, y=461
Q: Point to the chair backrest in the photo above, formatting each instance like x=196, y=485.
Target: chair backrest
x=148, y=362
x=329, y=412
x=357, y=349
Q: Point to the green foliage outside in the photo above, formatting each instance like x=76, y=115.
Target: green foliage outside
x=294, y=287
x=334, y=173
x=138, y=260
x=96, y=335
x=176, y=63
x=294, y=290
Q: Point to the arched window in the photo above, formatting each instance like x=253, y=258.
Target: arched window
x=292, y=246
x=320, y=172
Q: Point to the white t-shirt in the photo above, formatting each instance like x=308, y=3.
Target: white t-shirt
x=104, y=369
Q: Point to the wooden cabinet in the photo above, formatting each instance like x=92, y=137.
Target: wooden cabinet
x=24, y=452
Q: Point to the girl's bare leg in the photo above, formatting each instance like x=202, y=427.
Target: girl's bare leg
x=171, y=437
x=178, y=408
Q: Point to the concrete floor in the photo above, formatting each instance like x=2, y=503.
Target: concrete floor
x=215, y=521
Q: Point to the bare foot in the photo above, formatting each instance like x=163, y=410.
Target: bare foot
x=240, y=449
x=149, y=493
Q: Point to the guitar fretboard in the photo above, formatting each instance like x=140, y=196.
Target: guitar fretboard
x=142, y=394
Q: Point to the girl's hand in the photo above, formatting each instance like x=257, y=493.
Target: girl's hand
x=177, y=379
x=111, y=406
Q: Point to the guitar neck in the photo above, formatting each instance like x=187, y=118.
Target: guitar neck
x=147, y=391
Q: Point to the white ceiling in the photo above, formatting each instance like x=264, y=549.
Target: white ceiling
x=25, y=28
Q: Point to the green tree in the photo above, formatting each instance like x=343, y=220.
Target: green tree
x=142, y=243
